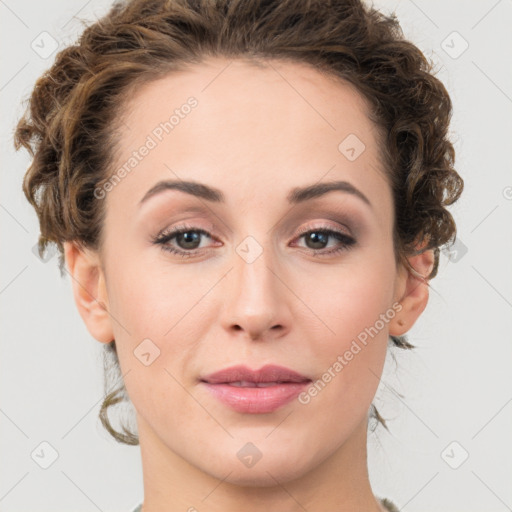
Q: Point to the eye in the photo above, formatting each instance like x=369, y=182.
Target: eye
x=188, y=240
x=317, y=238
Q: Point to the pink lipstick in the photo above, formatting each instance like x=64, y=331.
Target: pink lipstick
x=255, y=391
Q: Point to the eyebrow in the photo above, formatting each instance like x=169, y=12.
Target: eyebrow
x=295, y=196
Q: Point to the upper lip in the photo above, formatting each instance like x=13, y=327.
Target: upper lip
x=268, y=373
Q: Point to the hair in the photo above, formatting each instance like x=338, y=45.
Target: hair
x=72, y=120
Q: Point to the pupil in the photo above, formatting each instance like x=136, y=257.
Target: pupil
x=189, y=237
x=319, y=238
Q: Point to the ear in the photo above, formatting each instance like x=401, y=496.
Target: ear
x=412, y=292
x=89, y=290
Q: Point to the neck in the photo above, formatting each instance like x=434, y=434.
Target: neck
x=339, y=482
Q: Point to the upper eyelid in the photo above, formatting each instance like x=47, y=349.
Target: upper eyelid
x=174, y=231
x=346, y=241
x=324, y=226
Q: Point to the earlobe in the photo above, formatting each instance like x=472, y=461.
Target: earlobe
x=412, y=292
x=89, y=290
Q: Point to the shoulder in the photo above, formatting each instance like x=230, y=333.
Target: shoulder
x=387, y=505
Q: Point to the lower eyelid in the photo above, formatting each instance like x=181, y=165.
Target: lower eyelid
x=344, y=242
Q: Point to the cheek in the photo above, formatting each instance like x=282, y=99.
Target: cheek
x=356, y=305
x=152, y=297
x=157, y=310
x=352, y=298
x=149, y=298
x=158, y=298
x=350, y=359
x=153, y=343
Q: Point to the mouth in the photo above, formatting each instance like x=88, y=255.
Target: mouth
x=245, y=377
x=248, y=384
x=255, y=391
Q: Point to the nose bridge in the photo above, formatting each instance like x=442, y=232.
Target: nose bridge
x=255, y=303
x=253, y=271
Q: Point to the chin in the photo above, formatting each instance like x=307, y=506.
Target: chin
x=261, y=478
x=264, y=473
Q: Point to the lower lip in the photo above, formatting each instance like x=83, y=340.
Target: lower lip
x=256, y=400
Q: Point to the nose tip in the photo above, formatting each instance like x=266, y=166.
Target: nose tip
x=255, y=302
x=256, y=329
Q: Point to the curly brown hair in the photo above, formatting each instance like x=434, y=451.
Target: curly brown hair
x=72, y=120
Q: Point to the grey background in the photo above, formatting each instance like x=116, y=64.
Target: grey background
x=455, y=387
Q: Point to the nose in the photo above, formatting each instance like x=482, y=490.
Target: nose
x=257, y=305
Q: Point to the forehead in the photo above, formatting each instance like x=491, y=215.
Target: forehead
x=269, y=124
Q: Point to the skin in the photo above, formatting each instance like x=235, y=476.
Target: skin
x=256, y=133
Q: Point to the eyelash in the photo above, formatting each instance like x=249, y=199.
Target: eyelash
x=164, y=238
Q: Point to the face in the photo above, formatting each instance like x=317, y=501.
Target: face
x=260, y=273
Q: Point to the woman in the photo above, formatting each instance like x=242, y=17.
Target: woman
x=250, y=197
